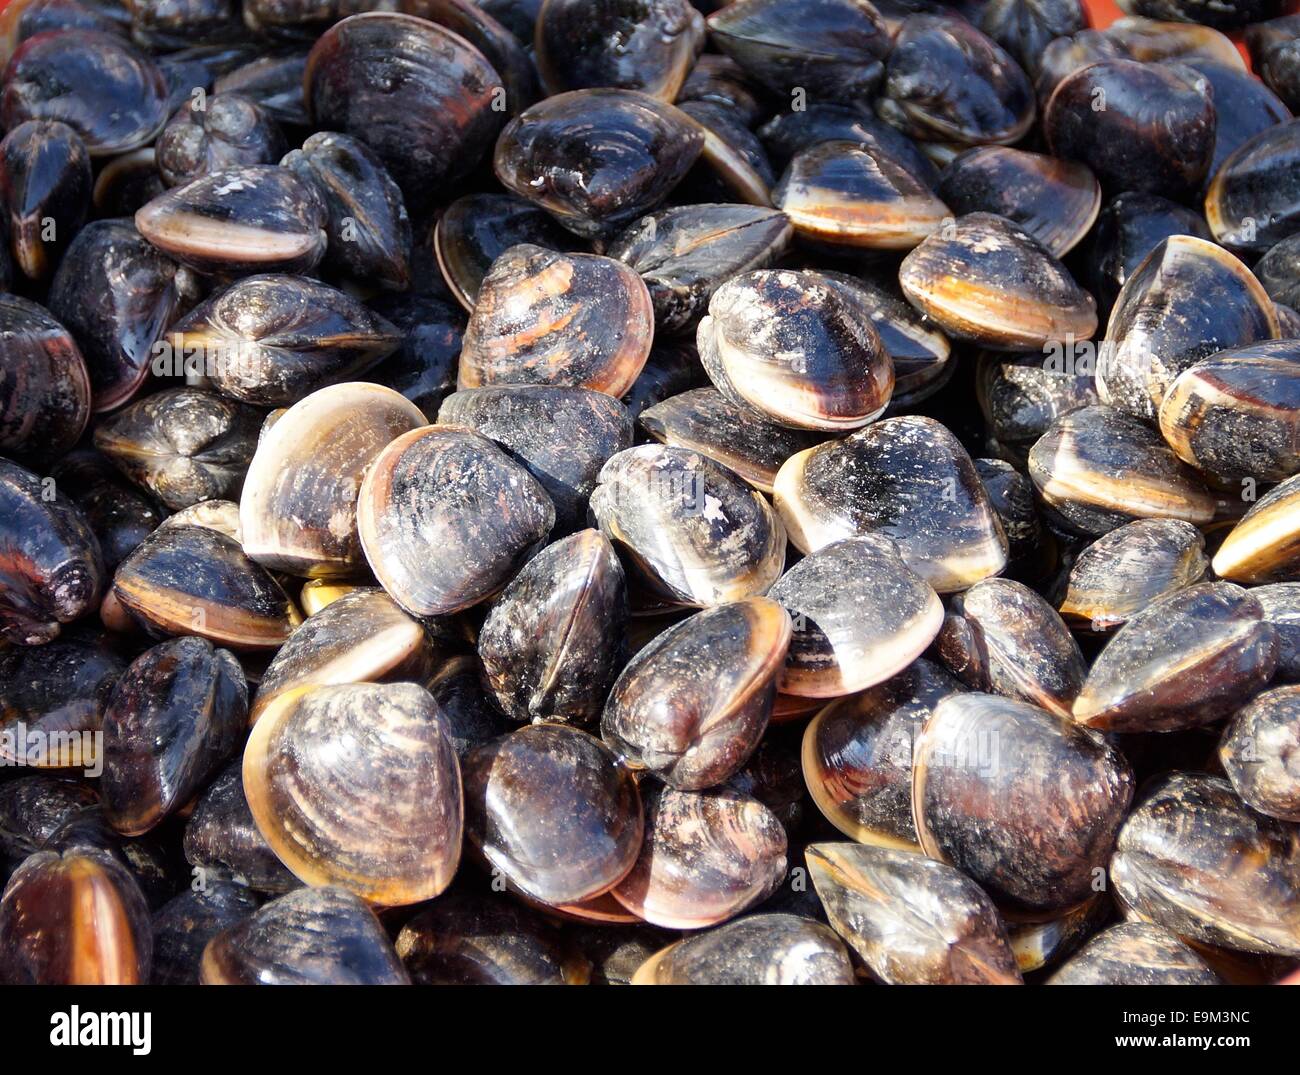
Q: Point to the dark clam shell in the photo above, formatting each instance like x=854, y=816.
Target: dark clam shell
x=597, y=159
x=423, y=368
x=1243, y=107
x=721, y=81
x=1055, y=201
x=705, y=421
x=947, y=82
x=1279, y=272
x=852, y=195
x=984, y=279
x=1281, y=604
x=117, y=294
x=44, y=386
x=1022, y=801
x=1186, y=301
x=693, y=704
x=551, y=809
x=24, y=19
x=45, y=175
x=75, y=917
x=1275, y=56
x=360, y=637
x=475, y=230
x=184, y=445
x=271, y=340
x=274, y=82
x=229, y=131
x=920, y=352
x=689, y=529
x=685, y=253
x=707, y=856
x=647, y=45
x=670, y=369
x=1134, y=953
x=1232, y=15
x=314, y=936
x=1254, y=199
x=761, y=949
x=298, y=510
x=552, y=645
x=1000, y=636
x=860, y=616
x=1262, y=547
x=260, y=218
x=51, y=571
x=1031, y=549
x=543, y=317
x=417, y=94
x=1124, y=571
x=1236, y=415
x=1194, y=859
x=446, y=518
x=857, y=755
x=120, y=515
x=358, y=786
x=33, y=808
x=913, y=921
x=906, y=478
x=1022, y=395
x=1025, y=28
x=1098, y=468
x=184, y=925
x=470, y=712
x=1187, y=659
x=1259, y=750
x=369, y=232
x=173, y=720
x=1154, y=131
x=798, y=347
x=199, y=66
x=97, y=83
x=185, y=580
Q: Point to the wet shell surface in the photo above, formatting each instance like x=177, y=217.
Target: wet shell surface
x=1260, y=753
x=1253, y=202
x=45, y=172
x=229, y=131
x=1265, y=545
x=1134, y=953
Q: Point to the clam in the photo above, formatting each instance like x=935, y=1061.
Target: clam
x=543, y=317
x=857, y=755
x=1243, y=107
x=473, y=231
x=1262, y=547
x=369, y=232
x=184, y=445
x=298, y=510
x=75, y=917
x=314, y=936
x=117, y=294
x=1134, y=953
x=707, y=856
x=1281, y=604
x=716, y=79
x=1031, y=550
x=175, y=716
x=183, y=926
x=733, y=163
x=1025, y=28
x=688, y=528
x=470, y=711
x=275, y=82
x=1055, y=201
x=423, y=368
x=51, y=570
x=693, y=704
x=985, y=280
x=1259, y=751
x=913, y=921
x=120, y=515
x=360, y=637
x=1156, y=41
x=1253, y=200
x=1098, y=468
x=446, y=518
x=1037, y=944
x=229, y=131
x=947, y=82
x=1189, y=658
x=860, y=616
x=184, y=580
x=906, y=478
x=23, y=19
x=1225, y=16
x=1275, y=57
x=551, y=645
x=358, y=786
x=797, y=347
x=1195, y=860
x=98, y=83
x=1138, y=126
x=417, y=94
x=685, y=253
x=1024, y=802
x=250, y=219
x=272, y=339
x=854, y=196
x=1002, y=637
x=1279, y=272
x=670, y=369
x=597, y=159
x=1020, y=396
x=1186, y=301
x=646, y=45
x=46, y=177
x=44, y=386
x=1129, y=569
x=550, y=809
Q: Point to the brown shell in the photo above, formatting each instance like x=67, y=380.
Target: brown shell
x=1265, y=545
x=229, y=131
x=1259, y=752
x=1134, y=953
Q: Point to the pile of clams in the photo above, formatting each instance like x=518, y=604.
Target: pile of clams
x=649, y=492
